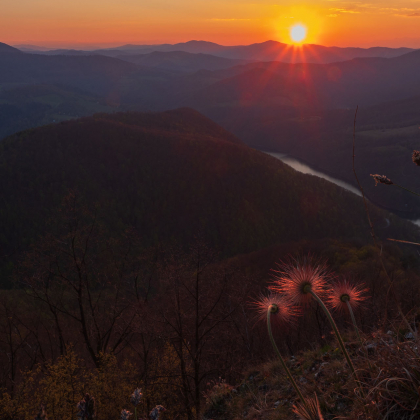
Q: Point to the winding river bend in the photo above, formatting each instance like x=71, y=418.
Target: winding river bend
x=305, y=169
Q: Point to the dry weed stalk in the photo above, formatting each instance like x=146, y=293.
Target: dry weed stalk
x=277, y=307
x=310, y=412
x=372, y=232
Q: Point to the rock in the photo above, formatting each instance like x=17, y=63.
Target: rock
x=409, y=336
x=371, y=349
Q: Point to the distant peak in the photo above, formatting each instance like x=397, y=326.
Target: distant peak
x=270, y=41
x=197, y=42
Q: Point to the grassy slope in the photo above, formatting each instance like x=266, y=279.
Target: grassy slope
x=265, y=392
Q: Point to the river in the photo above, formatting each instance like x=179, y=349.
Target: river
x=305, y=169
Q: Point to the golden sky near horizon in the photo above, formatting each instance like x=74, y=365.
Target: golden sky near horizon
x=229, y=22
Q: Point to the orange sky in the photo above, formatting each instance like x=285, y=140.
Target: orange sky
x=115, y=22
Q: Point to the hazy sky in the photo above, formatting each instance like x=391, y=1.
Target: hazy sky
x=110, y=22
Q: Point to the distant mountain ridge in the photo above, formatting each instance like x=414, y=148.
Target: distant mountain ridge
x=95, y=74
x=265, y=51
x=182, y=61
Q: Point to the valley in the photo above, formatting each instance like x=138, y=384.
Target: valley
x=151, y=195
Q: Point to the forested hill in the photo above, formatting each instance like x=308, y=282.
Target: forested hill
x=181, y=121
x=170, y=175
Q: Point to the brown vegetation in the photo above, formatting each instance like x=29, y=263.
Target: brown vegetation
x=103, y=315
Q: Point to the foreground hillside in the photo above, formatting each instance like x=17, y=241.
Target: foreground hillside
x=170, y=176
x=390, y=376
x=230, y=371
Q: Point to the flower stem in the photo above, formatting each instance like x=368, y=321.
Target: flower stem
x=135, y=413
x=406, y=189
x=353, y=319
x=289, y=375
x=338, y=335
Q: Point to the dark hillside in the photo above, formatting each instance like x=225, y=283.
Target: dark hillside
x=170, y=176
x=4, y=48
x=181, y=121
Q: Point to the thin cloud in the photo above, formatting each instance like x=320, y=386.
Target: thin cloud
x=389, y=9
x=413, y=14
x=344, y=10
x=227, y=19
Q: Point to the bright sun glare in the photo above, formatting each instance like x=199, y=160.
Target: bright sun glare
x=298, y=33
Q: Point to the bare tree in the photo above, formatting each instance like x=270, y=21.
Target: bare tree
x=198, y=301
x=84, y=280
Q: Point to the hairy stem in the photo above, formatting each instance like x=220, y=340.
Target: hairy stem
x=406, y=189
x=372, y=232
x=289, y=375
x=353, y=319
x=338, y=335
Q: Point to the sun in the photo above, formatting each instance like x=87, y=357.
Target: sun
x=298, y=33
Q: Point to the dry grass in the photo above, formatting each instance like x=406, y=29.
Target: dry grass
x=391, y=383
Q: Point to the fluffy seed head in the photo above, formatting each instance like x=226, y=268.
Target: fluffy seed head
x=86, y=408
x=125, y=414
x=343, y=292
x=381, y=179
x=42, y=415
x=155, y=413
x=297, y=278
x=136, y=397
x=282, y=312
x=416, y=157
